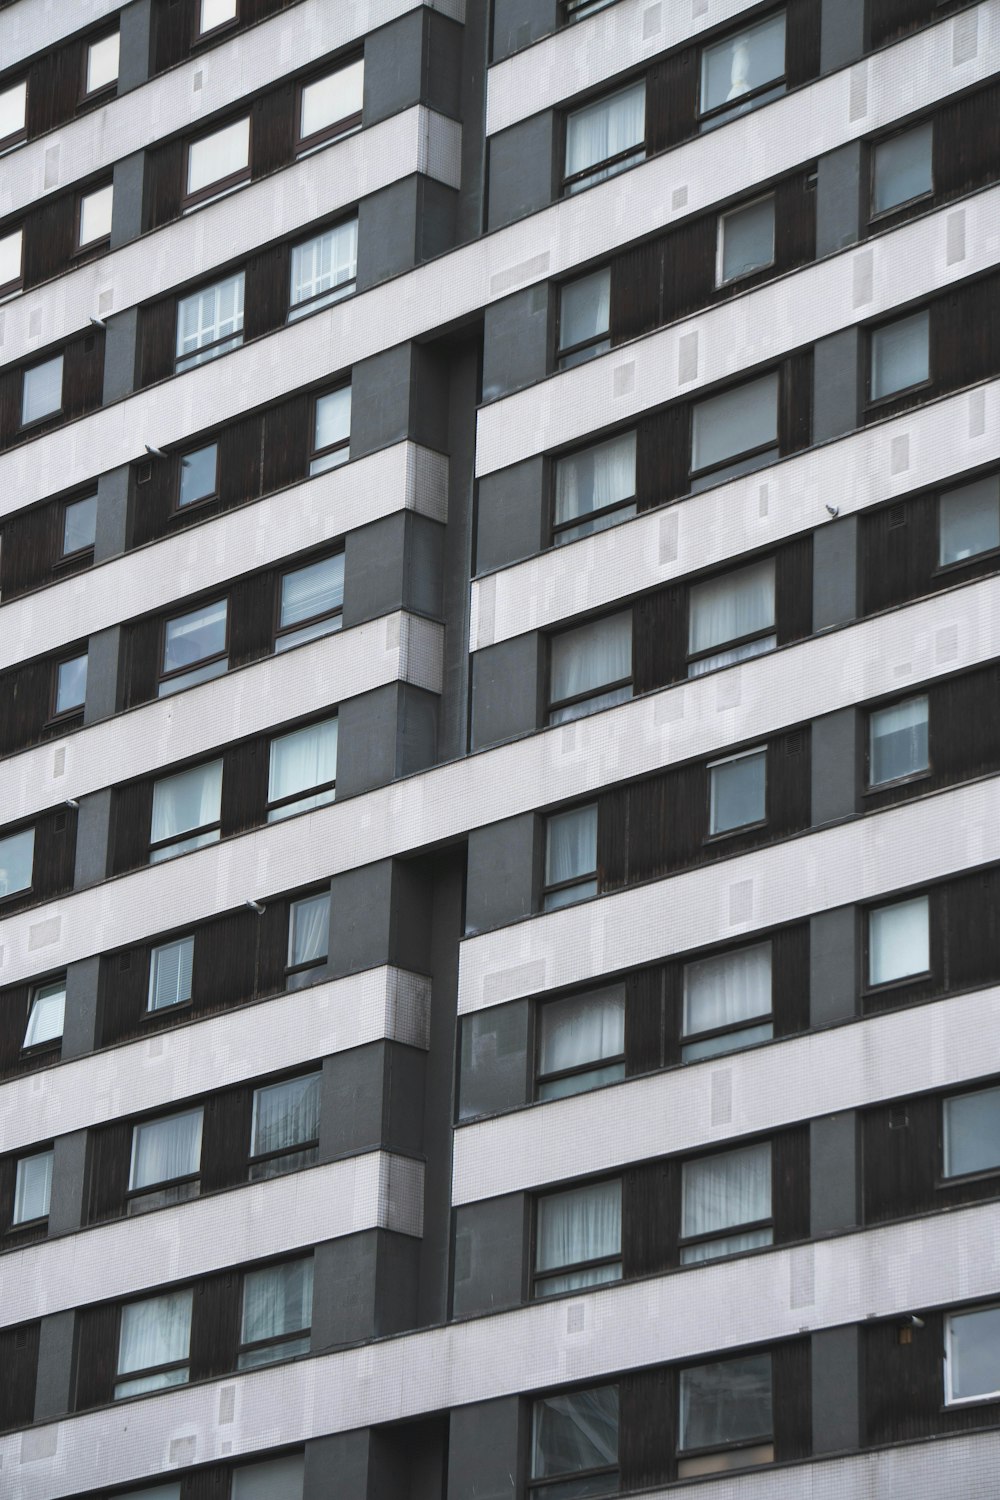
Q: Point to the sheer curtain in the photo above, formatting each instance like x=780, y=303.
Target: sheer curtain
x=726, y=1402
x=605, y=129
x=188, y=800
x=735, y=422
x=309, y=927
x=575, y=1431
x=747, y=61
x=586, y=658
x=301, y=760
x=723, y=609
x=277, y=1301
x=731, y=1189
x=595, y=478
x=285, y=1114
x=165, y=1149
x=728, y=989
x=583, y=1224
x=582, y=1029
x=571, y=844
x=898, y=940
x=45, y=1023
x=584, y=308
x=155, y=1332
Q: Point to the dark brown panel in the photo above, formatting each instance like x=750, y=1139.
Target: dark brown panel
x=643, y=1021
x=965, y=335
x=672, y=100
x=802, y=19
x=55, y=852
x=14, y=1004
x=973, y=927
x=613, y=839
x=164, y=194
x=287, y=441
x=903, y=1385
x=55, y=83
x=140, y=661
x=96, y=1355
x=31, y=541
x=173, y=29
x=662, y=448
x=673, y=1012
x=207, y=1484
x=49, y=240
x=215, y=1325
x=890, y=19
x=690, y=272
x=793, y=590
x=83, y=374
x=637, y=278
x=272, y=131
x=795, y=221
x=152, y=490
x=790, y=979
x=659, y=639
x=124, y=988
x=655, y=834
x=899, y=552
x=225, y=961
x=900, y=1160
x=790, y=1185
x=647, y=1428
x=25, y=702
x=226, y=1139
x=131, y=818
x=964, y=735
x=791, y=1378
x=244, y=786
x=795, y=416
x=266, y=298
x=108, y=1160
x=18, y=1374
x=967, y=143
x=157, y=341
x=240, y=460
x=650, y=1218
x=251, y=618
x=10, y=406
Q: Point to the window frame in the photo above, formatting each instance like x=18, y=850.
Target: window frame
x=601, y=1064
x=169, y=1190
x=66, y=558
x=571, y=11
x=537, y=1278
x=342, y=445
x=103, y=90
x=559, y=705
x=219, y=187
x=296, y=975
x=576, y=880
x=877, y=403
x=537, y=1484
x=100, y=242
x=732, y=642
x=13, y=833
x=53, y=412
x=190, y=506
x=121, y=1377
x=306, y=1147
x=721, y=280
x=283, y=632
x=719, y=114
x=175, y=1005
x=728, y=1028
x=723, y=467
x=176, y=673
x=187, y=833
x=348, y=125
x=201, y=35
x=880, y=216
x=277, y=804
x=973, y=557
x=568, y=356
x=274, y=1341
x=49, y=1044
x=16, y=137
x=203, y=354
x=910, y=776
x=609, y=166
x=714, y=1236
x=65, y=715
x=733, y=1445
x=306, y=306
x=557, y=529
x=17, y=1225
x=919, y=976
x=981, y=1398
x=948, y=1179
x=714, y=834
x=11, y=288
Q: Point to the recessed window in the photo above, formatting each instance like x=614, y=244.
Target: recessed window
x=969, y=520
x=102, y=64
x=743, y=71
x=13, y=113
x=331, y=106
x=725, y=1416
x=79, y=526
x=737, y=791
x=900, y=355
x=581, y=1043
x=897, y=741
x=17, y=857
x=312, y=599
x=578, y=1238
x=166, y=1160
x=154, y=1344
x=33, y=1188
x=323, y=269
x=972, y=1133
x=171, y=966
x=41, y=394
x=727, y=1002
x=277, y=1313
x=902, y=168
x=199, y=475
x=210, y=322
x=605, y=137
x=11, y=246
x=194, y=647
x=186, y=811
x=574, y=1438
x=71, y=685
x=95, y=216
x=972, y=1356
x=308, y=939
x=303, y=770
x=331, y=430
x=213, y=13
x=273, y=1479
x=726, y=1204
x=575, y=10
x=285, y=1132
x=218, y=162
x=594, y=488
x=731, y=618
x=584, y=311
x=570, y=856
x=590, y=668
x=45, y=1019
x=737, y=424
x=745, y=240
x=898, y=940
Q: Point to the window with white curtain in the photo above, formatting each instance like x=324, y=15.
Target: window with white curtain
x=17, y=859
x=725, y=1406
x=218, y=162
x=897, y=741
x=578, y=1238
x=331, y=445
x=972, y=1355
x=899, y=940
x=285, y=1131
x=900, y=355
x=154, y=1344
x=41, y=391
x=102, y=63
x=605, y=137
x=745, y=240
x=199, y=475
x=13, y=112
x=32, y=1187
x=331, y=106
x=11, y=247
x=594, y=488
x=324, y=269
x=186, y=811
x=574, y=1438
x=735, y=425
x=721, y=1197
x=308, y=938
x=727, y=1002
x=165, y=1151
x=584, y=318
x=303, y=770
x=94, y=223
x=570, y=856
x=969, y=520
x=45, y=1018
x=71, y=685
x=903, y=168
x=212, y=13
x=590, y=668
x=971, y=1130
x=277, y=1313
x=210, y=322
x=731, y=618
x=171, y=966
x=581, y=1042
x=311, y=602
x=195, y=647
x=575, y=10
x=743, y=71
x=737, y=791
x=270, y=1479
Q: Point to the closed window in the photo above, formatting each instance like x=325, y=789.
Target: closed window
x=70, y=685
x=575, y=10
x=13, y=113
x=727, y=1002
x=41, y=392
x=574, y=1444
x=737, y=791
x=17, y=858
x=33, y=1188
x=272, y=1479
x=594, y=488
x=95, y=216
x=186, y=811
x=210, y=322
x=581, y=1042
x=218, y=162
x=331, y=106
x=898, y=940
x=590, y=668
x=743, y=71
x=900, y=355
x=311, y=602
x=102, y=64
x=213, y=13
x=731, y=618
x=738, y=424
x=725, y=1416
x=605, y=137
x=45, y=1018
x=745, y=240
x=972, y=1356
x=897, y=741
x=303, y=770
x=11, y=246
x=154, y=1344
x=285, y=1131
x=584, y=313
x=277, y=1313
x=726, y=1204
x=323, y=269
x=570, y=856
x=194, y=647
x=902, y=168
x=969, y=520
x=972, y=1133
x=199, y=475
x=170, y=969
x=578, y=1238
x=331, y=430
x=308, y=939
x=166, y=1160
x=79, y=526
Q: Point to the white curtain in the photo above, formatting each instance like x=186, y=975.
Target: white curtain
x=207, y=316
x=33, y=1187
x=582, y=1029
x=170, y=970
x=285, y=1114
x=731, y=1189
x=155, y=1332
x=309, y=928
x=970, y=520
x=972, y=1132
x=726, y=990
x=576, y=1431
x=594, y=478
x=338, y=96
x=189, y=800
x=582, y=1224
x=898, y=940
x=313, y=590
x=165, y=1149
x=571, y=844
x=722, y=609
x=215, y=12
x=747, y=61
x=324, y=264
x=585, y=659
x=222, y=154
x=901, y=354
x=303, y=759
x=274, y=1479
x=585, y=308
x=726, y=1402
x=45, y=1023
x=277, y=1300
x=17, y=858
x=735, y=422
x=898, y=740
x=606, y=128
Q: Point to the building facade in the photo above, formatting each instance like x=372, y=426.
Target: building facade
x=581, y=1076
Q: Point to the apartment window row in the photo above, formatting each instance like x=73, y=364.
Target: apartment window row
x=280, y=1478
x=55, y=238
x=44, y=698
x=184, y=28
x=56, y=388
x=37, y=858
x=931, y=541
x=80, y=75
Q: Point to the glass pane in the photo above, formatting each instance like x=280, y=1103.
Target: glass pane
x=578, y=1430
x=17, y=857
x=198, y=474
x=324, y=267
x=194, y=636
x=71, y=684
x=726, y=1402
x=10, y=257
x=570, y=894
x=143, y=1384
x=581, y=1083
x=585, y=659
x=903, y=168
x=42, y=393
x=584, y=308
x=156, y=1492
x=970, y=520
x=155, y=1332
x=571, y=844
x=605, y=129
x=737, y=604
x=33, y=1187
x=735, y=422
x=285, y=1115
x=309, y=929
x=208, y=316
x=746, y=239
x=277, y=1300
x=594, y=478
x=220, y=155
x=333, y=418
x=584, y=1223
x=170, y=969
x=329, y=100
x=737, y=792
x=95, y=215
x=581, y=1029
x=102, y=62
x=726, y=1244
x=316, y=589
x=274, y=1479
x=898, y=940
x=79, y=525
x=972, y=1132
x=974, y=1354
x=725, y=990
x=742, y=63
x=728, y=658
x=45, y=1021
x=729, y=1041
x=12, y=108
x=303, y=759
x=722, y=1191
x=901, y=354
x=898, y=741
x=165, y=1149
x=190, y=799
x=216, y=13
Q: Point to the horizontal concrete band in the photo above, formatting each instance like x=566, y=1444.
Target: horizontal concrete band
x=881, y=1272
x=216, y=1053
x=704, y=1104
x=27, y=30
x=375, y=1191
x=572, y=232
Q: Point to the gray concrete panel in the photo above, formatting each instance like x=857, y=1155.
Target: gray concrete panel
x=360, y=918
x=838, y=198
x=401, y=393
x=120, y=355
x=507, y=690
x=69, y=1174
x=501, y=873
x=135, y=27
x=516, y=341
x=395, y=563
x=842, y=34
x=490, y=1240
x=53, y=1384
x=344, y=1280
x=92, y=826
x=112, y=514
x=484, y=1450
x=463, y=395
x=522, y=170
x=418, y=730
x=387, y=232
x=414, y=60
x=833, y=967
x=102, y=675
x=512, y=517
x=836, y=1390
x=127, y=200
x=80, y=1024
x=366, y=752
x=352, y=1109
x=403, y=1110
x=337, y=1467
x=834, y=766
x=495, y=1059
x=834, y=1179
x=396, y=1288
x=836, y=386
x=835, y=573
x=518, y=23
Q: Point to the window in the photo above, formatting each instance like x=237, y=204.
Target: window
x=45, y=1019
x=166, y=1151
x=725, y=1406
x=210, y=322
x=972, y=1356
x=13, y=113
x=285, y=1131
x=570, y=856
x=10, y=261
x=41, y=393
x=170, y=969
x=727, y=1002
x=17, y=858
x=578, y=1238
x=898, y=940
x=308, y=939
x=576, y=9
x=274, y=1479
x=594, y=488
x=33, y=1188
x=277, y=1313
x=79, y=526
x=311, y=602
x=969, y=521
x=740, y=423
x=737, y=791
x=902, y=168
x=218, y=162
x=303, y=770
x=605, y=137
x=721, y=1197
x=743, y=71
x=213, y=13
x=331, y=106
x=194, y=647
x=323, y=269
x=897, y=741
x=186, y=811
x=154, y=1344
x=972, y=1132
x=581, y=1043
x=102, y=64
x=590, y=668
x=900, y=355
x=584, y=311
x=574, y=1443
x=70, y=685
x=745, y=240
x=199, y=475
x=94, y=223
x=735, y=612
x=331, y=430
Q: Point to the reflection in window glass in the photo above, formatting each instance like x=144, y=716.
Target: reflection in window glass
x=972, y=1355
x=746, y=240
x=45, y=1020
x=726, y=1402
x=95, y=215
x=33, y=1187
x=574, y=1432
x=17, y=856
x=592, y=487
x=737, y=421
x=311, y=600
x=102, y=63
x=332, y=103
x=277, y=1313
x=42, y=391
x=332, y=430
x=273, y=1479
x=217, y=157
x=71, y=684
x=570, y=856
x=903, y=168
x=13, y=102
x=198, y=636
x=303, y=762
x=285, y=1120
x=721, y=1192
x=155, y=1337
x=969, y=520
x=737, y=791
x=182, y=803
x=199, y=474
x=972, y=1133
x=590, y=668
x=10, y=258
x=738, y=607
x=900, y=355
x=171, y=966
x=605, y=137
x=584, y=310
x=897, y=744
x=740, y=66
x=727, y=998
x=898, y=940
x=324, y=269
x=79, y=525
x=576, y=1035
x=574, y=1229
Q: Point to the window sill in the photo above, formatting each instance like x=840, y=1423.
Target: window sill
x=913, y=779
x=902, y=983
x=712, y=839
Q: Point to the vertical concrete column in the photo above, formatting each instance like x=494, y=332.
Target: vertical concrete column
x=842, y=34
x=516, y=340
x=53, y=1384
x=127, y=200
x=833, y=967
x=503, y=859
x=338, y=1466
x=69, y=1182
x=93, y=827
x=484, y=1450
x=835, y=766
x=523, y=169
x=518, y=23
x=836, y=1390
x=490, y=1240
x=835, y=573
x=135, y=31
x=112, y=514
x=120, y=355
x=508, y=684
x=513, y=516
x=839, y=188
x=80, y=1025
x=834, y=1178
x=416, y=59
x=836, y=387
x=102, y=675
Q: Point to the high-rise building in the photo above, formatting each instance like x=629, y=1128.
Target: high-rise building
x=500, y=733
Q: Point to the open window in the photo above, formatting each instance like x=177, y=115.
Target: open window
x=303, y=770
x=578, y=1238
x=594, y=488
x=605, y=137
x=570, y=857
x=285, y=1130
x=726, y=1204
x=574, y=1444
x=154, y=1344
x=590, y=668
x=737, y=792
x=42, y=391
x=581, y=1042
x=166, y=1161
x=277, y=1313
x=308, y=939
x=972, y=1356
x=79, y=529
x=187, y=811
x=330, y=106
x=69, y=686
x=727, y=1002
x=742, y=71
x=726, y=1416
x=46, y=1015
x=93, y=220
x=101, y=65
x=745, y=240
x=210, y=322
x=198, y=477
